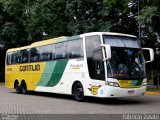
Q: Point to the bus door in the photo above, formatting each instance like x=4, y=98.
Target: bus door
x=95, y=59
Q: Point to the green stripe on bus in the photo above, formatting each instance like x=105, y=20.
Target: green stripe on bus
x=47, y=73
x=133, y=82
x=139, y=82
x=57, y=73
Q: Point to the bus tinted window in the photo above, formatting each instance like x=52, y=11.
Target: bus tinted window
x=24, y=55
x=9, y=60
x=53, y=51
x=34, y=54
x=15, y=58
x=45, y=53
x=60, y=50
x=95, y=58
x=74, y=48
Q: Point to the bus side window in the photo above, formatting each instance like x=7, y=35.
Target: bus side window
x=12, y=58
x=16, y=58
x=9, y=55
x=75, y=48
x=34, y=55
x=24, y=55
x=53, y=51
x=60, y=50
x=45, y=52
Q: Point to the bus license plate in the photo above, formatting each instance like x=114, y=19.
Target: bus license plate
x=131, y=91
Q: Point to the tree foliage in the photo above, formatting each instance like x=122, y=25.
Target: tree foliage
x=84, y=15
x=25, y=21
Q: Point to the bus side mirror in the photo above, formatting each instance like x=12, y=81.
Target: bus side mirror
x=151, y=53
x=107, y=50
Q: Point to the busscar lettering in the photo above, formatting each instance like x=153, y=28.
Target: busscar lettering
x=29, y=68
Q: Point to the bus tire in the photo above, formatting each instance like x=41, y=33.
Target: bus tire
x=18, y=89
x=78, y=92
x=23, y=87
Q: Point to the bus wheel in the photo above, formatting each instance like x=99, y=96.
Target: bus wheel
x=78, y=92
x=18, y=89
x=23, y=87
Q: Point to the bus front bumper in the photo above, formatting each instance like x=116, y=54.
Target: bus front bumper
x=115, y=92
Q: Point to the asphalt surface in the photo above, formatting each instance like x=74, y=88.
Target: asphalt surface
x=47, y=103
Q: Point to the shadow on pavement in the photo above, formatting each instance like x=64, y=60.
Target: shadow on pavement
x=115, y=101
x=94, y=100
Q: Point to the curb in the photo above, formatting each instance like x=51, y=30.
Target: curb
x=152, y=93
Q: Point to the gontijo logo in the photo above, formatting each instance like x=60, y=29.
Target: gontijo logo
x=29, y=68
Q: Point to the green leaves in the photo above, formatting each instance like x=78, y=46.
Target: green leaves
x=147, y=14
x=150, y=27
x=32, y=20
x=83, y=15
x=25, y=21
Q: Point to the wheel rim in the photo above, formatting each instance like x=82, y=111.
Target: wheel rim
x=17, y=88
x=79, y=92
x=23, y=89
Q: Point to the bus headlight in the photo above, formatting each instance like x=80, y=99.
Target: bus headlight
x=114, y=84
x=144, y=83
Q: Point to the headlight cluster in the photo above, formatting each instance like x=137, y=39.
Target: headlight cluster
x=114, y=84
x=144, y=83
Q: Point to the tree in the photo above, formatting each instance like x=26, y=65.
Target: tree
x=84, y=15
x=46, y=18
x=2, y=52
x=13, y=33
x=32, y=20
x=117, y=15
x=23, y=22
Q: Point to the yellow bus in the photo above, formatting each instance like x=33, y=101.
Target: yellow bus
x=98, y=64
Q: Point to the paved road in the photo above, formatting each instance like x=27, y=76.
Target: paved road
x=45, y=103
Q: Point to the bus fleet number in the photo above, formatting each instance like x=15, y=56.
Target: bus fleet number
x=9, y=69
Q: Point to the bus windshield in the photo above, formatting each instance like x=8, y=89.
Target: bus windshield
x=127, y=61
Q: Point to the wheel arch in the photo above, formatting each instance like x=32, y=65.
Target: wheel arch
x=74, y=83
x=23, y=82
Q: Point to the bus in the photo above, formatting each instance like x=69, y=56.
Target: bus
x=96, y=64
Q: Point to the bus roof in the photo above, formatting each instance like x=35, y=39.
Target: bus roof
x=108, y=33
x=39, y=43
x=66, y=38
